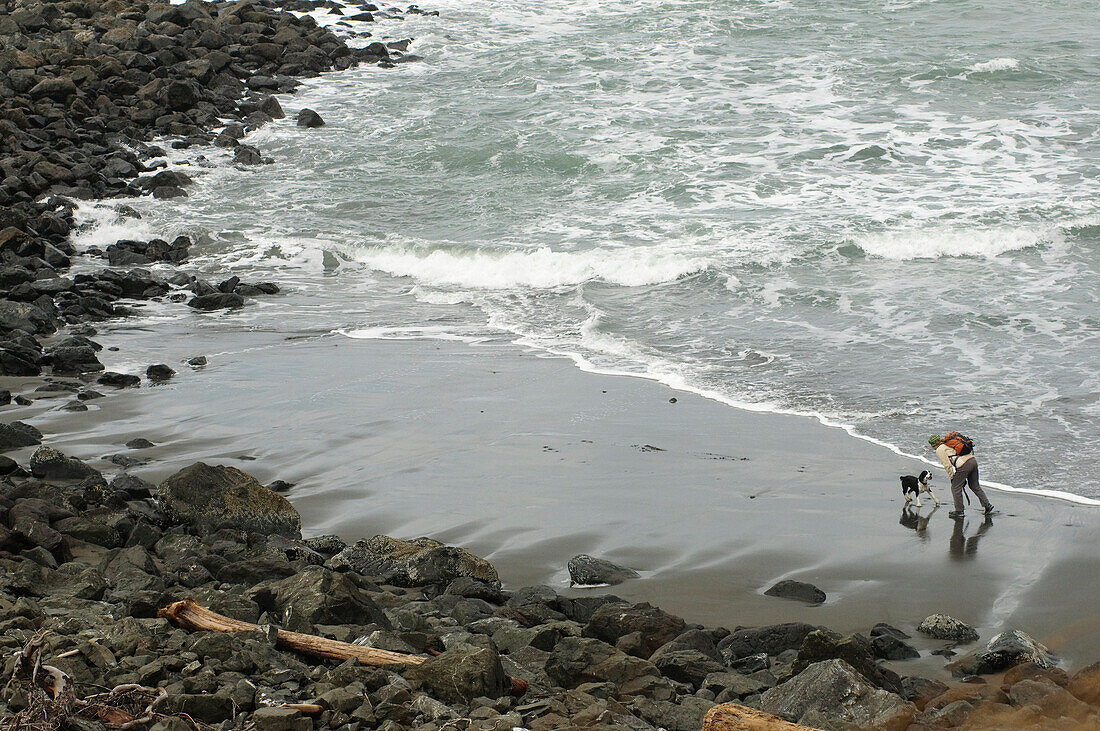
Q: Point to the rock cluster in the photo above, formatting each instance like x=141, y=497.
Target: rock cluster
x=91, y=561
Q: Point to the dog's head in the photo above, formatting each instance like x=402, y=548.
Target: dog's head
x=924, y=477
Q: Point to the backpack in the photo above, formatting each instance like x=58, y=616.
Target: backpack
x=961, y=443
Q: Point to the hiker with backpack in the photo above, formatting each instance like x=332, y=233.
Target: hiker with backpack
x=956, y=453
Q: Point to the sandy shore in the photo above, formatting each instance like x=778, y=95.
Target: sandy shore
x=528, y=461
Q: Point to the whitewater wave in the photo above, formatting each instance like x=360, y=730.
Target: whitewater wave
x=996, y=64
x=101, y=224
x=934, y=243
x=542, y=268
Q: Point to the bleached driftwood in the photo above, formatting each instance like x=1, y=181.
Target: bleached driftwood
x=189, y=614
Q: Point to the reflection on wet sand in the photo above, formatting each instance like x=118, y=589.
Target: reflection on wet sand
x=962, y=547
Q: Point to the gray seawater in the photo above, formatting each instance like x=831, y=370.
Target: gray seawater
x=881, y=213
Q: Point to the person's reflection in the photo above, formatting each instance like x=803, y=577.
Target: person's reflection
x=961, y=547
x=913, y=520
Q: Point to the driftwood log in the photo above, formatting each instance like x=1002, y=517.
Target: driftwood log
x=735, y=717
x=191, y=615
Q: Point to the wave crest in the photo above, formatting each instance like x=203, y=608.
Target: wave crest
x=542, y=268
x=933, y=243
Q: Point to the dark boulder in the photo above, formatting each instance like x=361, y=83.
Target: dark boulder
x=588, y=571
x=319, y=596
x=889, y=647
x=461, y=674
x=421, y=562
x=797, y=590
x=832, y=694
x=771, y=639
x=17, y=434
x=159, y=373
x=309, y=118
x=216, y=301
x=212, y=497
x=119, y=380
x=50, y=464
x=854, y=649
x=73, y=360
x=612, y=621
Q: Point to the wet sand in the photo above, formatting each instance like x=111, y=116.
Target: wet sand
x=528, y=461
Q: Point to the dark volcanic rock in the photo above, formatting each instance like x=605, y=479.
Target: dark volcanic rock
x=319, y=596
x=309, y=118
x=159, y=373
x=212, y=497
x=119, y=380
x=612, y=621
x=889, y=647
x=17, y=434
x=462, y=674
x=831, y=694
x=421, y=562
x=71, y=361
x=50, y=464
x=772, y=639
x=216, y=301
x=855, y=650
x=798, y=590
x=588, y=571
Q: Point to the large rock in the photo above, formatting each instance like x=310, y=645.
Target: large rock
x=422, y=562
x=854, y=649
x=462, y=674
x=797, y=590
x=832, y=695
x=612, y=621
x=578, y=660
x=73, y=360
x=17, y=434
x=50, y=464
x=1004, y=651
x=212, y=497
x=589, y=571
x=771, y=639
x=943, y=627
x=216, y=301
x=319, y=596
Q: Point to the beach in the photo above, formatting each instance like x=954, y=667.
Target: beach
x=369, y=377
x=527, y=461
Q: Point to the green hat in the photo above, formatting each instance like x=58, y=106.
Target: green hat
x=934, y=440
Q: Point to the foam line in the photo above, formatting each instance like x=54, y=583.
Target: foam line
x=678, y=383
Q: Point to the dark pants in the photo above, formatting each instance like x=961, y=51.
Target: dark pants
x=967, y=474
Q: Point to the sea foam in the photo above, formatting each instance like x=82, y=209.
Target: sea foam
x=996, y=64
x=541, y=268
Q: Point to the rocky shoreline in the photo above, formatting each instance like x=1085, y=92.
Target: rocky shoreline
x=89, y=560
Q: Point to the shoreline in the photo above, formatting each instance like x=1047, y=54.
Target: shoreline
x=519, y=457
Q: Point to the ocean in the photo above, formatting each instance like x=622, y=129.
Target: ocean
x=884, y=215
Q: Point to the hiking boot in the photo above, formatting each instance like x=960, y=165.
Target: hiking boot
x=989, y=509
x=955, y=514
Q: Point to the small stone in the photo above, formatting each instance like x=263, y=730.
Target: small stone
x=139, y=443
x=197, y=362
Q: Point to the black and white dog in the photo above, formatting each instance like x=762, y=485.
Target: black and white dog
x=914, y=486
